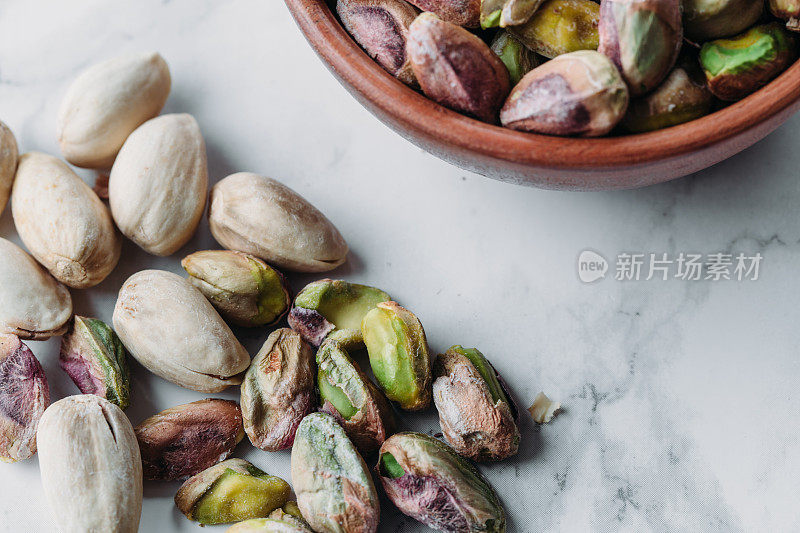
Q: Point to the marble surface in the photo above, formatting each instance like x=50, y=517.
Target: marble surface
x=680, y=397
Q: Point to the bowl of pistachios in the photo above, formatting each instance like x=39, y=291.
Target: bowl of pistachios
x=567, y=94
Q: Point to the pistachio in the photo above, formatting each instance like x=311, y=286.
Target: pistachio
x=24, y=395
x=158, y=184
x=245, y=290
x=33, y=305
x=90, y=464
x=704, y=20
x=788, y=10
x=477, y=415
x=561, y=26
x=465, y=13
x=356, y=403
x=428, y=481
x=398, y=354
x=284, y=520
x=334, y=489
x=106, y=103
x=63, y=223
x=506, y=13
x=333, y=308
x=265, y=218
x=741, y=65
x=95, y=359
x=9, y=155
x=581, y=93
x=182, y=441
x=278, y=390
x=231, y=491
x=171, y=329
x=517, y=58
x=381, y=28
x=643, y=38
x=543, y=409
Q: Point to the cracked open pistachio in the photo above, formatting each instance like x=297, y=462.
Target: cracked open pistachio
x=788, y=10
x=381, y=28
x=465, y=13
x=181, y=441
x=24, y=395
x=9, y=155
x=704, y=20
x=741, y=65
x=428, y=481
x=517, y=58
x=244, y=289
x=399, y=355
x=477, y=415
x=278, y=390
x=581, y=93
x=356, y=403
x=506, y=13
x=231, y=491
x=94, y=358
x=561, y=26
x=334, y=489
x=333, y=308
x=456, y=68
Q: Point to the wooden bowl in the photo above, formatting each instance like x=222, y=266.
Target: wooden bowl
x=540, y=160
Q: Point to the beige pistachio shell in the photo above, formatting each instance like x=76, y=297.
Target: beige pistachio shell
x=106, y=103
x=158, y=184
x=9, y=154
x=171, y=329
x=63, y=223
x=33, y=305
x=263, y=217
x=90, y=465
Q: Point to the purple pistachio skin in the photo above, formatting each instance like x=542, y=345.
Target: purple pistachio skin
x=465, y=13
x=310, y=324
x=24, y=395
x=457, y=69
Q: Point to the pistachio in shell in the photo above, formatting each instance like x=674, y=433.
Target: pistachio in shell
x=561, y=26
x=24, y=396
x=456, y=68
x=184, y=440
x=9, y=156
x=517, y=58
x=506, y=13
x=244, y=289
x=704, y=20
x=428, y=481
x=278, y=390
x=788, y=10
x=231, y=491
x=580, y=93
x=381, y=28
x=334, y=488
x=399, y=355
x=94, y=358
x=333, y=308
x=741, y=65
x=349, y=395
x=466, y=13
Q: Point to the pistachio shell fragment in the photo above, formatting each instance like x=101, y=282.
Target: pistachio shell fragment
x=263, y=217
x=9, y=155
x=24, y=396
x=334, y=489
x=465, y=13
x=581, y=93
x=456, y=68
x=381, y=28
x=643, y=38
x=171, y=329
x=741, y=65
x=543, y=409
x=231, y=491
x=704, y=20
x=561, y=26
x=429, y=482
x=477, y=415
x=517, y=58
x=244, y=289
x=33, y=305
x=333, y=308
x=278, y=390
x=399, y=355
x=356, y=403
x=94, y=358
x=788, y=10
x=181, y=441
x=287, y=519
x=91, y=467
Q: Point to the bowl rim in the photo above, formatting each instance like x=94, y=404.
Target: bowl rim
x=413, y=111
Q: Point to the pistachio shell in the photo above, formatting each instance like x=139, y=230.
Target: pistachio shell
x=263, y=217
x=33, y=305
x=9, y=154
x=785, y=9
x=465, y=13
x=704, y=20
x=506, y=13
x=63, y=223
x=171, y=329
x=158, y=184
x=560, y=27
x=106, y=103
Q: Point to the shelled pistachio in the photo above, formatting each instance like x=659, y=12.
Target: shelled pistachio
x=517, y=58
x=704, y=20
x=9, y=155
x=465, y=13
x=287, y=519
x=561, y=26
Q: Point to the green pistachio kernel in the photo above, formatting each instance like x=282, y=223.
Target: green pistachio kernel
x=561, y=26
x=514, y=55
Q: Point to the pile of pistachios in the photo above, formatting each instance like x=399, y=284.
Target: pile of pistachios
x=305, y=389
x=579, y=67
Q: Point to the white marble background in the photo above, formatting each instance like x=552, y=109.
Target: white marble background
x=681, y=397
